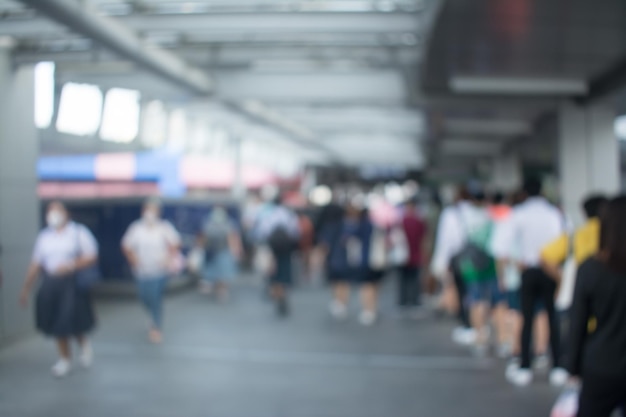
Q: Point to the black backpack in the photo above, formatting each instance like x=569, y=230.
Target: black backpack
x=280, y=241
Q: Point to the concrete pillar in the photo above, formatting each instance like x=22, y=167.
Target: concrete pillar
x=238, y=188
x=19, y=204
x=506, y=173
x=588, y=155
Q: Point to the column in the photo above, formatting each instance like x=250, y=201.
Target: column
x=19, y=205
x=588, y=155
x=238, y=189
x=506, y=173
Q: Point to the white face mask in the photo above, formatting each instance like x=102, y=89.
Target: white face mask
x=150, y=216
x=55, y=219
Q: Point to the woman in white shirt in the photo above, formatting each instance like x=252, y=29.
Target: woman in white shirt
x=63, y=310
x=151, y=246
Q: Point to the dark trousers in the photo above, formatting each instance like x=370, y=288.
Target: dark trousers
x=601, y=395
x=409, y=286
x=461, y=291
x=536, y=286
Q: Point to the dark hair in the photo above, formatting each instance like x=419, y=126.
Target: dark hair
x=613, y=234
x=479, y=196
x=532, y=187
x=463, y=194
x=497, y=198
x=517, y=198
x=593, y=205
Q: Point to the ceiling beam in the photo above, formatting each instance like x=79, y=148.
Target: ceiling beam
x=125, y=42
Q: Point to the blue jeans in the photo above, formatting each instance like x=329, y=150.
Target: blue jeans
x=485, y=291
x=150, y=292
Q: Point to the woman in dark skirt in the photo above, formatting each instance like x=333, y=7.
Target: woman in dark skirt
x=347, y=242
x=63, y=310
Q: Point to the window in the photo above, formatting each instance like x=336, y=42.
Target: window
x=177, y=135
x=620, y=127
x=120, y=120
x=44, y=94
x=154, y=124
x=80, y=110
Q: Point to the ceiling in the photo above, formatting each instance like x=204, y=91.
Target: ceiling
x=441, y=84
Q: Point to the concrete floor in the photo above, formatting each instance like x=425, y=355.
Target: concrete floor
x=238, y=360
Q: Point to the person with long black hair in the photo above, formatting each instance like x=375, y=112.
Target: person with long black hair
x=598, y=352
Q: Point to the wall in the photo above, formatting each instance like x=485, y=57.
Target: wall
x=19, y=205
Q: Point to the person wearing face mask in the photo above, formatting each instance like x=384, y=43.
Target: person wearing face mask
x=63, y=310
x=151, y=245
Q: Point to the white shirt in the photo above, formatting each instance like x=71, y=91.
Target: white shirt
x=533, y=225
x=151, y=243
x=278, y=216
x=454, y=224
x=57, y=248
x=499, y=240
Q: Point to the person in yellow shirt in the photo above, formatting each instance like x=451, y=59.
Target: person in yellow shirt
x=586, y=240
x=585, y=243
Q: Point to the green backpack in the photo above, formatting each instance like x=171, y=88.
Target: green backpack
x=474, y=261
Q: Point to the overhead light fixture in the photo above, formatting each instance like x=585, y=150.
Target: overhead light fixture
x=492, y=127
x=517, y=85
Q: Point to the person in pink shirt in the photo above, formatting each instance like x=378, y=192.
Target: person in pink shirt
x=414, y=228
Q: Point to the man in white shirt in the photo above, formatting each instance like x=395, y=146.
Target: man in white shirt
x=449, y=242
x=151, y=245
x=534, y=224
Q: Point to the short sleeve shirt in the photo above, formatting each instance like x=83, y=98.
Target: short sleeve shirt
x=57, y=248
x=151, y=244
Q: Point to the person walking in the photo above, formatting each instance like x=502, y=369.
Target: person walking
x=534, y=224
x=598, y=356
x=347, y=245
x=223, y=247
x=151, y=245
x=409, y=288
x=279, y=229
x=449, y=241
x=63, y=310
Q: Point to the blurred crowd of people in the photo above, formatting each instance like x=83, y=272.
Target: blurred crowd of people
x=520, y=279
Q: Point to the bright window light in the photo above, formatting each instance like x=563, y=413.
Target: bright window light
x=80, y=110
x=44, y=94
x=321, y=195
x=120, y=119
x=620, y=127
x=177, y=134
x=154, y=124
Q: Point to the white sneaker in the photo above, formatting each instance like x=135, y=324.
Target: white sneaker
x=61, y=368
x=338, y=310
x=86, y=355
x=558, y=377
x=519, y=377
x=513, y=365
x=367, y=318
x=464, y=336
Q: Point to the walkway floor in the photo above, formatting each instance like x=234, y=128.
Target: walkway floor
x=238, y=360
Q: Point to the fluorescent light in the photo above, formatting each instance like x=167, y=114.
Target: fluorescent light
x=620, y=127
x=518, y=86
x=469, y=127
